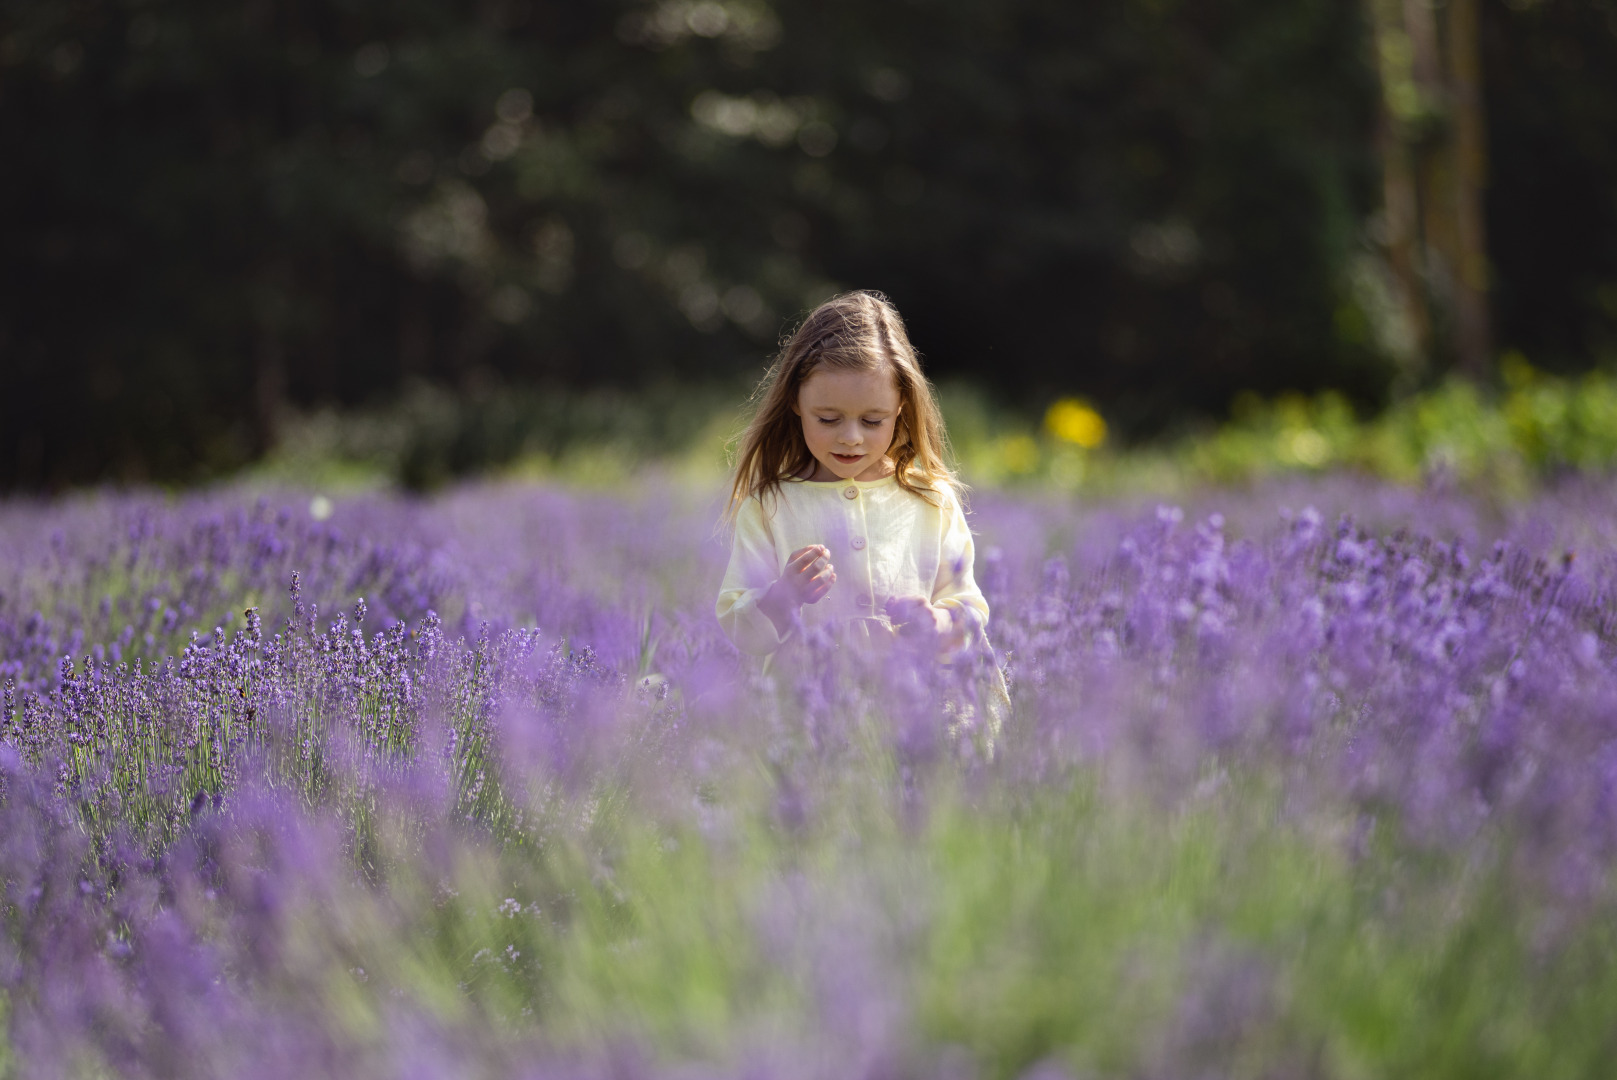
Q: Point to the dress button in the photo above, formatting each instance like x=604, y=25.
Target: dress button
x=867, y=600
x=850, y=493
x=858, y=543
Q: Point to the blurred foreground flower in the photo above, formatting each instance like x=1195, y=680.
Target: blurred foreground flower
x=1075, y=421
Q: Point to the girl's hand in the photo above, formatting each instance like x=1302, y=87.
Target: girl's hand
x=808, y=576
x=914, y=616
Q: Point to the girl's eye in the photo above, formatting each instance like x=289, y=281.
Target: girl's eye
x=827, y=419
x=873, y=423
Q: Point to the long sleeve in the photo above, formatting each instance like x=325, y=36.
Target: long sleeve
x=753, y=568
x=956, y=585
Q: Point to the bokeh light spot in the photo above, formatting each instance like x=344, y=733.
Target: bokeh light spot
x=1075, y=421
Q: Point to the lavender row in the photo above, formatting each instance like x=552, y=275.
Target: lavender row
x=128, y=578
x=476, y=836
x=1407, y=670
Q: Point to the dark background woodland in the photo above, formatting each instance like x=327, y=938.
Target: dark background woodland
x=212, y=212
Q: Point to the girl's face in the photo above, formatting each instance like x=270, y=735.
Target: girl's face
x=848, y=420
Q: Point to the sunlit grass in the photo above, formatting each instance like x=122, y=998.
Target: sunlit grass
x=1532, y=426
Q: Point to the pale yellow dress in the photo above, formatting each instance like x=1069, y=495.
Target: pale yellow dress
x=885, y=542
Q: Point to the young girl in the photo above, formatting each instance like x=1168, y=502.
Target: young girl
x=846, y=513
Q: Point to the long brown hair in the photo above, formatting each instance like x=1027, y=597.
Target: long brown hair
x=857, y=331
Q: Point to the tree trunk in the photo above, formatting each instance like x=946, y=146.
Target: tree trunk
x=1434, y=170
x=1472, y=335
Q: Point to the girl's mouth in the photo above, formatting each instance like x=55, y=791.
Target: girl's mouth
x=848, y=459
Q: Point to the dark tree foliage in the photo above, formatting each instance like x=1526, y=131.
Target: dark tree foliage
x=213, y=209
x=1552, y=216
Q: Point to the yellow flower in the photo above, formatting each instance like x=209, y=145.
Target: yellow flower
x=1073, y=420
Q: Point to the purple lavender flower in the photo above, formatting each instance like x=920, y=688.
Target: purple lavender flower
x=257, y=773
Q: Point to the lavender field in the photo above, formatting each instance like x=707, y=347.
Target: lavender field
x=1317, y=779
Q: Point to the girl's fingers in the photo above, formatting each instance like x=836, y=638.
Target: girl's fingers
x=819, y=586
x=804, y=560
x=809, y=573
x=912, y=615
